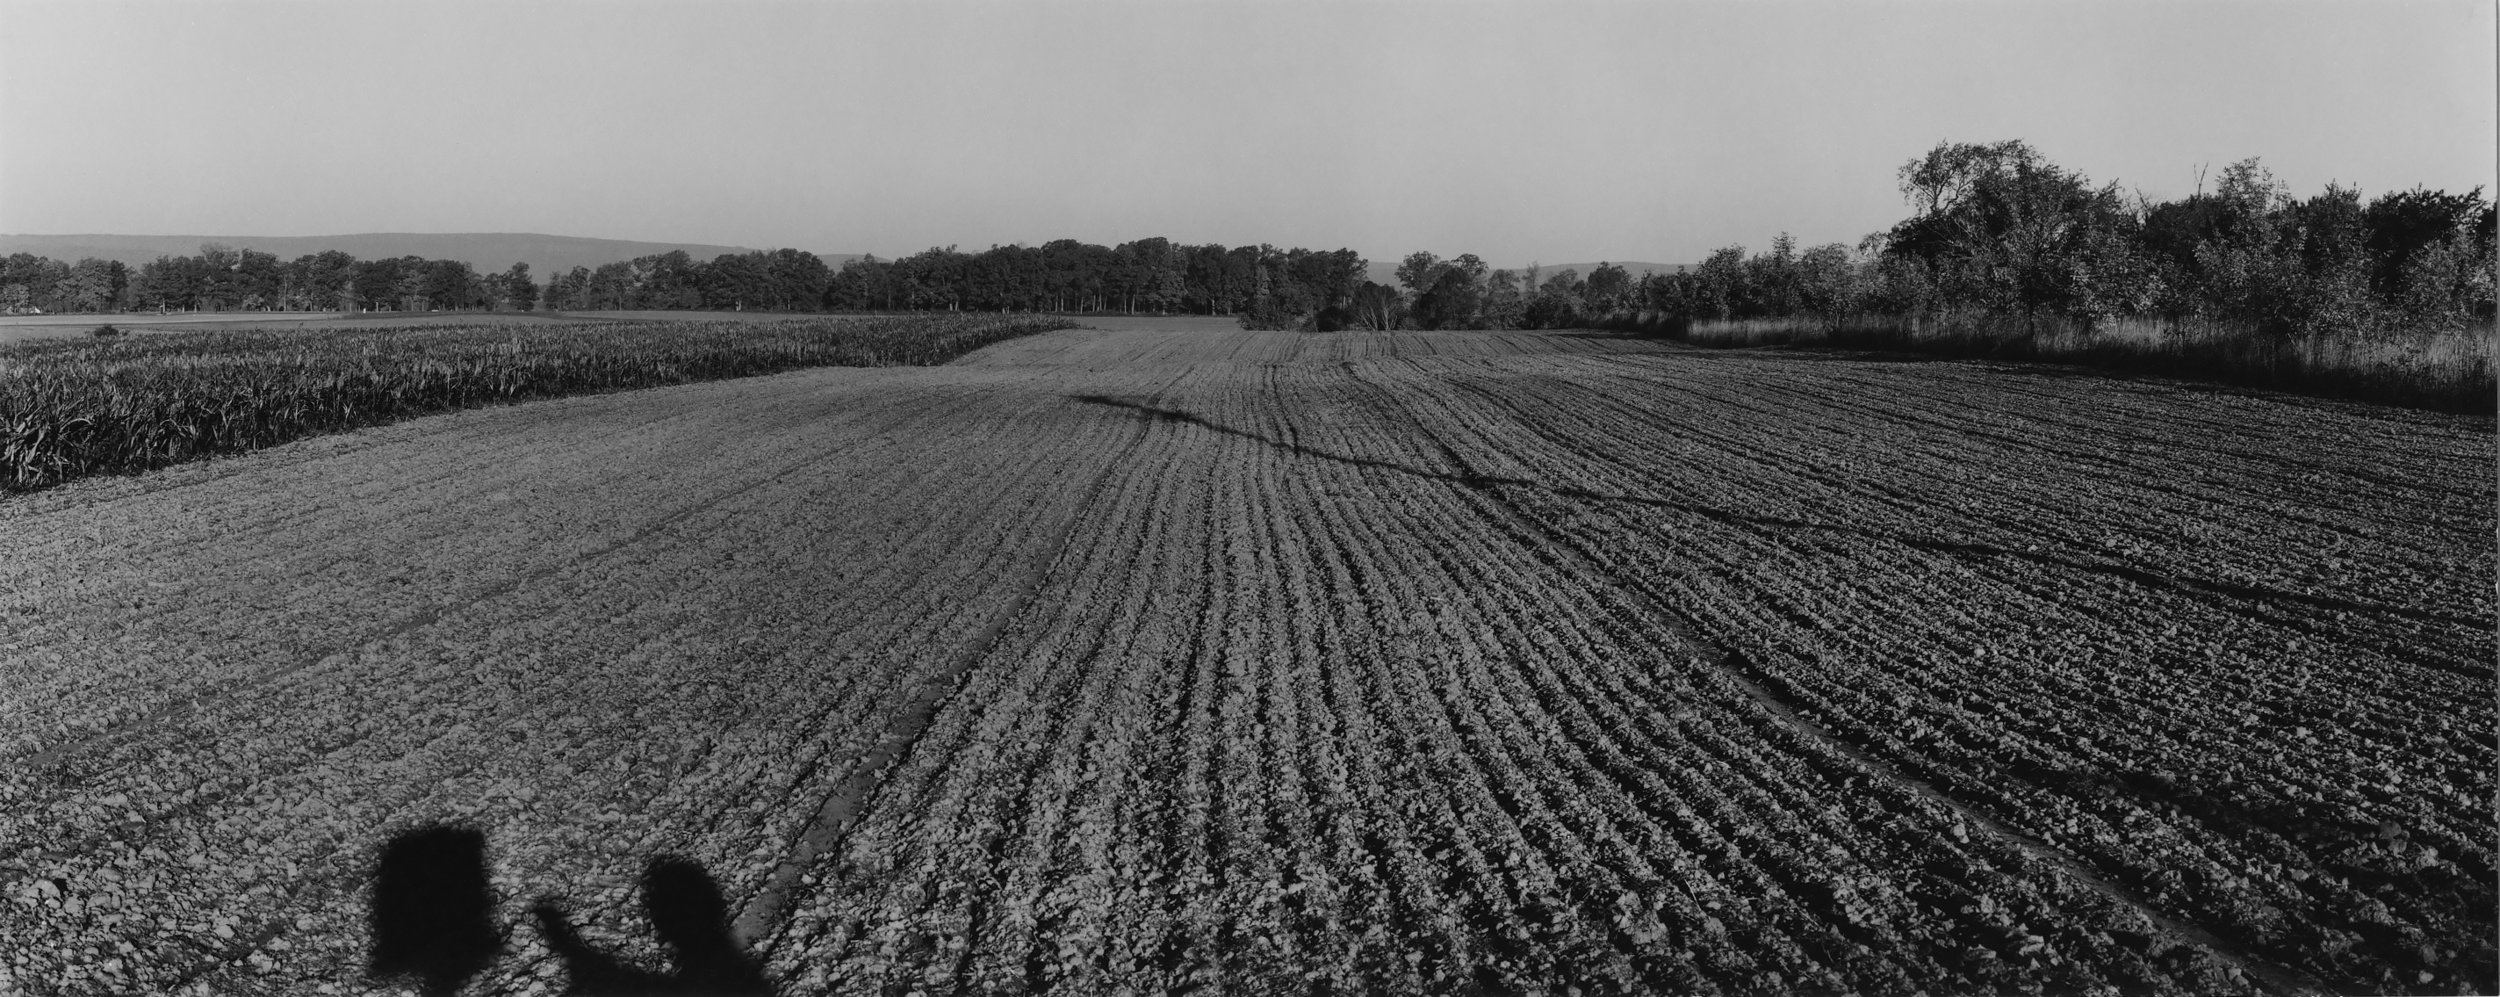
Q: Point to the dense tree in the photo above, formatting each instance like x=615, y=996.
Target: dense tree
x=1419, y=271
x=1504, y=306
x=1719, y=285
x=1219, y=280
x=92, y=286
x=169, y=283
x=1378, y=306
x=1153, y=275
x=322, y=281
x=565, y=290
x=514, y=290
x=1829, y=283
x=733, y=280
x=2009, y=231
x=1997, y=228
x=2401, y=227
x=1558, y=302
x=1452, y=302
x=29, y=282
x=1609, y=289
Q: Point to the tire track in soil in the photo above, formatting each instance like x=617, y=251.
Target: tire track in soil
x=760, y=919
x=2245, y=599
x=175, y=710
x=1746, y=677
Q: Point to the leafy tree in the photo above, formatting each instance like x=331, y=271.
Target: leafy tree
x=322, y=281
x=167, y=283
x=799, y=279
x=1452, y=302
x=1504, y=306
x=1557, y=304
x=1418, y=272
x=28, y=282
x=1721, y=283
x=1771, y=279
x=1829, y=284
x=217, y=277
x=93, y=285
x=1609, y=289
x=2002, y=228
x=734, y=281
x=666, y=280
x=515, y=290
x=258, y=281
x=1378, y=307
x=2400, y=224
x=567, y=290
x=1950, y=175
x=1218, y=280
x=608, y=286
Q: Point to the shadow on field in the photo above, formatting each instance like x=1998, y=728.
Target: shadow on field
x=433, y=919
x=2202, y=589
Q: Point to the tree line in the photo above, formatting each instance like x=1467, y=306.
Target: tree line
x=1263, y=285
x=1997, y=229
x=224, y=278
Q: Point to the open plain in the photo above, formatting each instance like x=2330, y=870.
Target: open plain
x=1168, y=655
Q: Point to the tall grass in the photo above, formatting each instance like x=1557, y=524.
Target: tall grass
x=2445, y=370
x=71, y=408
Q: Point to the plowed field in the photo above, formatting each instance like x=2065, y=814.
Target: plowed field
x=1132, y=660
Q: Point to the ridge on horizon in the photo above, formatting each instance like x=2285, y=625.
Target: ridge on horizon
x=325, y=235
x=546, y=253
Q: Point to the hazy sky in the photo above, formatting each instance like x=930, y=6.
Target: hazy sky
x=1550, y=131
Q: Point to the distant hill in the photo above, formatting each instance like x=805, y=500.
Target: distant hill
x=1638, y=270
x=487, y=251
x=1387, y=273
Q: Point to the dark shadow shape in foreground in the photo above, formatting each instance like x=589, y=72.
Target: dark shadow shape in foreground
x=686, y=908
x=433, y=919
x=432, y=909
x=2196, y=588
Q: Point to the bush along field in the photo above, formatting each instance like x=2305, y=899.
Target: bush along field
x=111, y=404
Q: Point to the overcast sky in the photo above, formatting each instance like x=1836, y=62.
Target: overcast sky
x=1518, y=131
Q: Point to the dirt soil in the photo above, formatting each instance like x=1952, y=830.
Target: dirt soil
x=1139, y=658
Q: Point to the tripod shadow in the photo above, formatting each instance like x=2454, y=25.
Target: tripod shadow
x=432, y=919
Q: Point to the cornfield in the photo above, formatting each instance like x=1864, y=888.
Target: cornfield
x=72, y=408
